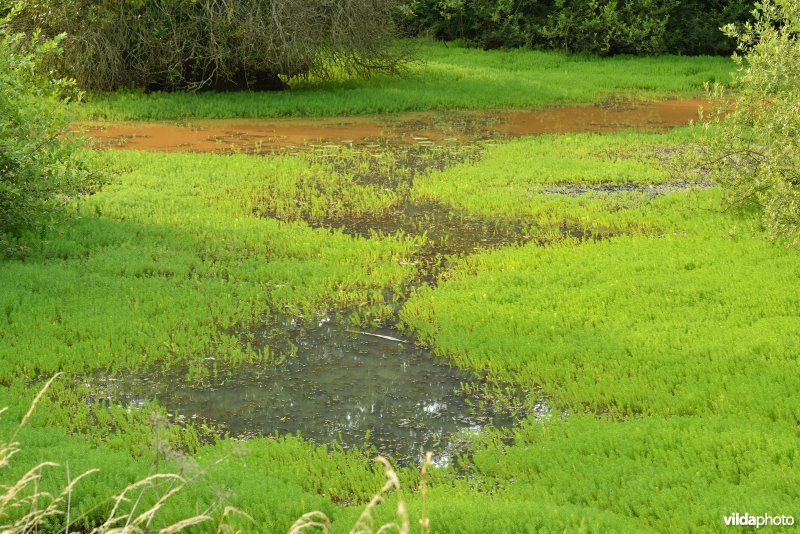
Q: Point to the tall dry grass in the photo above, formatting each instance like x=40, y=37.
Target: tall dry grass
x=25, y=506
x=366, y=523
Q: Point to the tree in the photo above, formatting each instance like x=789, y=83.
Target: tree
x=40, y=169
x=192, y=44
x=597, y=26
x=753, y=150
x=694, y=26
x=608, y=27
x=484, y=23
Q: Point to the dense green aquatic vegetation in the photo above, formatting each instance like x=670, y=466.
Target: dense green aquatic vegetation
x=664, y=356
x=443, y=78
x=664, y=349
x=169, y=264
x=548, y=181
x=650, y=474
x=697, y=321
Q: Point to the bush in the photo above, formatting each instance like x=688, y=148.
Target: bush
x=754, y=150
x=694, y=26
x=608, y=26
x=484, y=23
x=40, y=169
x=597, y=26
x=177, y=44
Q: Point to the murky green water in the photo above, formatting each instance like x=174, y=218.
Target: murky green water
x=341, y=386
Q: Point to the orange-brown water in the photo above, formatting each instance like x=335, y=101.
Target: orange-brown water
x=282, y=135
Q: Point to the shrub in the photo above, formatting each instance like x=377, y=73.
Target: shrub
x=598, y=26
x=40, y=169
x=484, y=23
x=608, y=26
x=254, y=44
x=694, y=26
x=754, y=150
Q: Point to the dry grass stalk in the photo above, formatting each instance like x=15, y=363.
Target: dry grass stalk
x=364, y=524
x=180, y=525
x=25, y=494
x=424, y=521
x=140, y=524
x=311, y=519
x=32, y=407
x=224, y=528
x=136, y=524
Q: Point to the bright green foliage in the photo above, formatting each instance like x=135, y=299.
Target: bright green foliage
x=38, y=167
x=530, y=178
x=655, y=474
x=754, y=151
x=664, y=358
x=169, y=264
x=695, y=322
x=320, y=193
x=446, y=78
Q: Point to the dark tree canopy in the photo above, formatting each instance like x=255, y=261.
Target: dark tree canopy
x=597, y=26
x=221, y=44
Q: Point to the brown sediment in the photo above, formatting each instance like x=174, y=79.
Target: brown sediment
x=642, y=116
x=264, y=136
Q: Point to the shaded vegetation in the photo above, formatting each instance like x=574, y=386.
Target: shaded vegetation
x=608, y=27
x=604, y=27
x=447, y=78
x=252, y=44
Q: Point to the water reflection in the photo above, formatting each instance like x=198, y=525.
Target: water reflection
x=340, y=386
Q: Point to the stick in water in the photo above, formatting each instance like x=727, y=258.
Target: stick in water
x=390, y=338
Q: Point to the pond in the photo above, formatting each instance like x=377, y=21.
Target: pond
x=340, y=385
x=325, y=380
x=264, y=136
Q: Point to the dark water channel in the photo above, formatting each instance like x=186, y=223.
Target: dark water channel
x=340, y=385
x=448, y=233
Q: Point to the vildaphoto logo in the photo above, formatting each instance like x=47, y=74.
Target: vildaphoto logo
x=765, y=520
